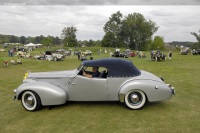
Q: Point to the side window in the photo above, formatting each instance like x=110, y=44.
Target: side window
x=88, y=69
x=103, y=72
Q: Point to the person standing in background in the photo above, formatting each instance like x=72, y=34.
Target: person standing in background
x=170, y=55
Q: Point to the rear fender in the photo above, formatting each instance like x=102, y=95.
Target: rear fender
x=154, y=91
x=48, y=93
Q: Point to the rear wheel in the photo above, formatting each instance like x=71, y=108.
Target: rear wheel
x=135, y=99
x=31, y=101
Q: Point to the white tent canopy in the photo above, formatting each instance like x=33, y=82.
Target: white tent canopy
x=30, y=45
x=38, y=44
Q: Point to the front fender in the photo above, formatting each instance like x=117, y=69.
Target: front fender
x=154, y=90
x=48, y=93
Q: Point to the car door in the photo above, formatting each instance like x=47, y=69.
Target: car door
x=82, y=88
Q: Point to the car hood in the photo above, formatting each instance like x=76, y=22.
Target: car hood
x=56, y=74
x=148, y=76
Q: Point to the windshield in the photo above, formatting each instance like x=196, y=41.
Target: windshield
x=80, y=67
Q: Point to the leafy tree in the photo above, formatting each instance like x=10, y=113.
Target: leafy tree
x=47, y=41
x=2, y=38
x=113, y=28
x=56, y=40
x=30, y=40
x=157, y=43
x=85, y=43
x=69, y=36
x=97, y=43
x=195, y=45
x=13, y=39
x=197, y=37
x=108, y=40
x=22, y=39
x=38, y=39
x=90, y=43
x=134, y=31
x=137, y=31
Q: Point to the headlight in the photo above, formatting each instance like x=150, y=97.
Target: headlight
x=26, y=75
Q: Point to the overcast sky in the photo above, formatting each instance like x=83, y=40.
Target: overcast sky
x=175, y=20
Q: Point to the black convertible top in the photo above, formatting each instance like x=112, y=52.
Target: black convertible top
x=116, y=67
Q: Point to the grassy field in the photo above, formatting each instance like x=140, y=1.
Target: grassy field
x=180, y=114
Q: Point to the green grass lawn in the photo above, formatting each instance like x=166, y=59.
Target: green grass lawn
x=180, y=114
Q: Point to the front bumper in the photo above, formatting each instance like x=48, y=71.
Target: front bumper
x=172, y=89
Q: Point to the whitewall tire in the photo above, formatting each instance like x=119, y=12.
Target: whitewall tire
x=31, y=101
x=135, y=99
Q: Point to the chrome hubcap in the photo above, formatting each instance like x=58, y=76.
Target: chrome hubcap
x=29, y=100
x=134, y=98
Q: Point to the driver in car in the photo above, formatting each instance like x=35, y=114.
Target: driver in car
x=95, y=73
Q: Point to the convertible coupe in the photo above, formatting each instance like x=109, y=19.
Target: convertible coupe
x=119, y=80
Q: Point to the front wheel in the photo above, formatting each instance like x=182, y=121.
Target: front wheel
x=31, y=101
x=135, y=99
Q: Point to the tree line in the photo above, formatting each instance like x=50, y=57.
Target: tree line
x=46, y=40
x=133, y=31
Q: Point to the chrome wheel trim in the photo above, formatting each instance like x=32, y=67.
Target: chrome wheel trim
x=135, y=99
x=29, y=100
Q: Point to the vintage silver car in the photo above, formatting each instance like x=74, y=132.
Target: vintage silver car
x=119, y=80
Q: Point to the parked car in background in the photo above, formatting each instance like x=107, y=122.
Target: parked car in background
x=76, y=52
x=158, y=56
x=87, y=52
x=184, y=52
x=196, y=52
x=119, y=80
x=2, y=50
x=40, y=56
x=129, y=53
x=53, y=55
x=21, y=54
x=119, y=54
x=64, y=52
x=141, y=54
x=22, y=49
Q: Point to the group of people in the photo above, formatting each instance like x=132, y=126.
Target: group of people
x=12, y=61
x=11, y=52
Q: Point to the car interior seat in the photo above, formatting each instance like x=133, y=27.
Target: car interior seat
x=103, y=74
